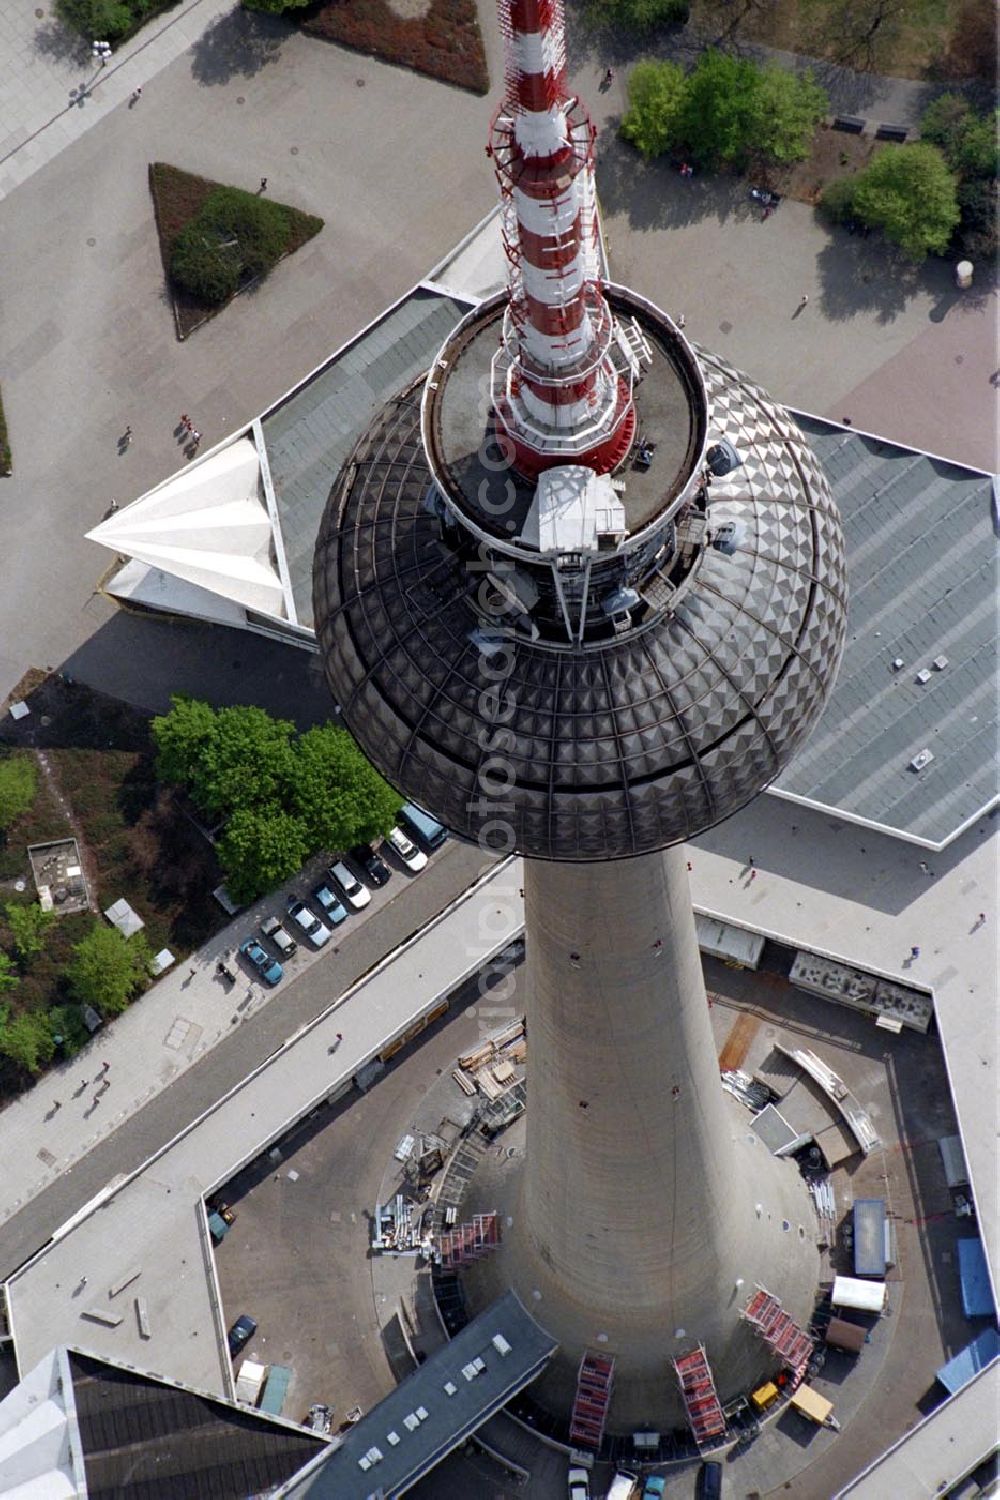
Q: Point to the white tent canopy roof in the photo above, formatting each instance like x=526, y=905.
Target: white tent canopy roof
x=208, y=525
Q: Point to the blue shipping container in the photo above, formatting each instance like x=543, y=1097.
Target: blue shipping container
x=869, y=1237
x=273, y=1399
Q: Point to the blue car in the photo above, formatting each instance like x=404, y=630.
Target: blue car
x=329, y=904
x=267, y=967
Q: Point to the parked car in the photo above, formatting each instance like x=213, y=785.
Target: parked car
x=578, y=1484
x=376, y=870
x=710, y=1481
x=241, y=1333
x=423, y=827
x=413, y=858
x=654, y=1487
x=316, y=931
x=320, y=1418
x=329, y=904
x=358, y=895
x=267, y=967
x=624, y=1486
x=280, y=937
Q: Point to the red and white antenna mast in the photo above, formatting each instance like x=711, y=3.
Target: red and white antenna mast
x=562, y=381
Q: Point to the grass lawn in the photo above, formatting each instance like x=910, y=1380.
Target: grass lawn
x=438, y=37
x=178, y=198
x=96, y=781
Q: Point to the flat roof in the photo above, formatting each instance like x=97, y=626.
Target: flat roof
x=922, y=581
x=435, y=1409
x=312, y=431
x=940, y=1450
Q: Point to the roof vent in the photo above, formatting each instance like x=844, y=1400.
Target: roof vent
x=921, y=760
x=500, y=1344
x=939, y=663
x=392, y=1438
x=897, y=664
x=923, y=676
x=450, y=1388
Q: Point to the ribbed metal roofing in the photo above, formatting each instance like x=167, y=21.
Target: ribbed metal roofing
x=613, y=749
x=921, y=549
x=311, y=433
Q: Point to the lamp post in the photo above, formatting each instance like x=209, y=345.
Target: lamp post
x=101, y=50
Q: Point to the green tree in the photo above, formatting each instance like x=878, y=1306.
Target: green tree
x=656, y=92
x=107, y=968
x=234, y=236
x=27, y=1040
x=27, y=923
x=18, y=784
x=181, y=738
x=338, y=794
x=8, y=978
x=909, y=193
x=781, y=116
x=968, y=140
x=248, y=762
x=637, y=16
x=260, y=849
x=109, y=20
x=734, y=112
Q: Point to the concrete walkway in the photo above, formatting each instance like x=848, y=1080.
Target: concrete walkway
x=52, y=90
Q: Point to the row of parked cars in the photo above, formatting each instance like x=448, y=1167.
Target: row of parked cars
x=625, y=1485
x=340, y=892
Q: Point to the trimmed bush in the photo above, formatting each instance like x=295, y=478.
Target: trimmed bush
x=236, y=237
x=911, y=196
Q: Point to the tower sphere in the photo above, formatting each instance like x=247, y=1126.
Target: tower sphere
x=582, y=666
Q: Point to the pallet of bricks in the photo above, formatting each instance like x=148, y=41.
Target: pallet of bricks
x=489, y=1068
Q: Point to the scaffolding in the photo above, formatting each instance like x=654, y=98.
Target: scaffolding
x=779, y=1330
x=701, y=1400
x=593, y=1397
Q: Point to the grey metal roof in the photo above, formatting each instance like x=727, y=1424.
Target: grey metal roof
x=310, y=434
x=148, y=1439
x=447, y=1419
x=922, y=576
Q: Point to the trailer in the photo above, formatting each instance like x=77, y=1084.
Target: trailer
x=870, y=1225
x=278, y=1380
x=250, y=1382
x=850, y=1337
x=809, y=1403
x=862, y=1296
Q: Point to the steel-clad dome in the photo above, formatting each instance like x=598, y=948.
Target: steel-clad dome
x=601, y=747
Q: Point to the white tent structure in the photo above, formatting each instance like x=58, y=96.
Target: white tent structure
x=210, y=526
x=41, y=1457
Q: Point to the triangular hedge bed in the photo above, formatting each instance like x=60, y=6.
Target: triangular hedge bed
x=445, y=43
x=216, y=241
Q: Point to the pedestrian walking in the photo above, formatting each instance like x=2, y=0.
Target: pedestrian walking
x=914, y=951
x=113, y=506
x=186, y=422
x=753, y=876
x=609, y=78
x=750, y=861
x=681, y=320
x=83, y=1281
x=804, y=300
x=263, y=185
x=135, y=96
x=56, y=1104
x=195, y=437
x=127, y=437
x=105, y=1067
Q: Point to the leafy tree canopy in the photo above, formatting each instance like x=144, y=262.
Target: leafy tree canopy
x=27, y=1040
x=8, y=978
x=231, y=759
x=27, y=923
x=655, y=95
x=181, y=737
x=909, y=193
x=107, y=968
x=339, y=795
x=727, y=112
x=260, y=849
x=637, y=16
x=967, y=139
x=18, y=783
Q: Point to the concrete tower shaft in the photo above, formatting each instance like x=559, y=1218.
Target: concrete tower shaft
x=557, y=392
x=643, y=1215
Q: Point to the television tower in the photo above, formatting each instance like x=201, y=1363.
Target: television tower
x=580, y=592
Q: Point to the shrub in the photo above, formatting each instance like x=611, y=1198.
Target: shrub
x=27, y=923
x=27, y=1040
x=638, y=16
x=837, y=201
x=107, y=968
x=8, y=979
x=110, y=20
x=68, y=1027
x=235, y=237
x=18, y=784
